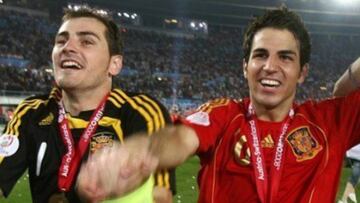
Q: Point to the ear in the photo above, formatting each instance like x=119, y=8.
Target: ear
x=303, y=73
x=115, y=66
x=245, y=71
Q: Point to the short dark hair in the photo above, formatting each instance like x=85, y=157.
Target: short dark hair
x=112, y=32
x=281, y=19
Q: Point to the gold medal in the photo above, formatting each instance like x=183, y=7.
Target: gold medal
x=58, y=198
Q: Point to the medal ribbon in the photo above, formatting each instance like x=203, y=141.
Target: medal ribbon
x=257, y=158
x=71, y=160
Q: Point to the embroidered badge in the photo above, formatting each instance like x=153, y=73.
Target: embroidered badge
x=303, y=144
x=9, y=144
x=101, y=140
x=200, y=118
x=47, y=120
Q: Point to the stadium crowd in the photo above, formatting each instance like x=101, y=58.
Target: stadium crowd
x=197, y=68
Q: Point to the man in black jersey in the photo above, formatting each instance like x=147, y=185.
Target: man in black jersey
x=51, y=135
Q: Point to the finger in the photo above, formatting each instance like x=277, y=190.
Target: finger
x=87, y=182
x=149, y=165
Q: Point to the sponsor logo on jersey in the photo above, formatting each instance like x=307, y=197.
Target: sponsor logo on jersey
x=9, y=144
x=101, y=140
x=47, y=120
x=303, y=144
x=267, y=142
x=200, y=118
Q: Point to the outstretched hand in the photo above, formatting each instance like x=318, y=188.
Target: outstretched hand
x=117, y=170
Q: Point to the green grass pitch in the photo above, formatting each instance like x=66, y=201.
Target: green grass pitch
x=187, y=191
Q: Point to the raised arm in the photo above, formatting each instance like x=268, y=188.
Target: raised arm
x=134, y=161
x=349, y=81
x=174, y=145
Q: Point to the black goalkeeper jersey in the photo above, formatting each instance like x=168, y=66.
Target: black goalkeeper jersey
x=40, y=147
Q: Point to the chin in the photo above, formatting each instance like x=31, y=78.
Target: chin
x=65, y=85
x=269, y=103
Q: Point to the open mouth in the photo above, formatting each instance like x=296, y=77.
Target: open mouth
x=69, y=64
x=270, y=83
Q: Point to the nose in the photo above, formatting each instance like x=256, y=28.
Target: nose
x=271, y=64
x=70, y=46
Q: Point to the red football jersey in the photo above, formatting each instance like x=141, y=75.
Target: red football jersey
x=314, y=146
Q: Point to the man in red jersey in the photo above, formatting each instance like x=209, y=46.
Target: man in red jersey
x=264, y=148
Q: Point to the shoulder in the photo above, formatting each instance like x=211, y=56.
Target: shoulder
x=142, y=104
x=221, y=110
x=314, y=106
x=120, y=96
x=219, y=104
x=31, y=110
x=37, y=102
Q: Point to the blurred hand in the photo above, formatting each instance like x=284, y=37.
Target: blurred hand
x=117, y=170
x=162, y=195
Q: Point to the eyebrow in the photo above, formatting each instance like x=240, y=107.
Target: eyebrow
x=260, y=50
x=85, y=33
x=288, y=52
x=82, y=33
x=279, y=52
x=62, y=34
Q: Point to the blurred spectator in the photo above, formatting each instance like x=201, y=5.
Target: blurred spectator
x=169, y=67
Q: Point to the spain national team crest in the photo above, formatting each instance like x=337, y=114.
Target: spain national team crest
x=101, y=140
x=303, y=144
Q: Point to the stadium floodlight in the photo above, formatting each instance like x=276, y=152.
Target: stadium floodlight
x=102, y=12
x=69, y=6
x=1, y=1
x=126, y=15
x=201, y=25
x=192, y=24
x=348, y=2
x=49, y=70
x=133, y=16
x=119, y=14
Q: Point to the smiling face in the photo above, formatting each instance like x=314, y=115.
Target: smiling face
x=81, y=57
x=273, y=69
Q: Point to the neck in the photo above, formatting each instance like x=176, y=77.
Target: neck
x=78, y=101
x=273, y=114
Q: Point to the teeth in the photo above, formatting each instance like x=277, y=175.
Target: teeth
x=270, y=82
x=71, y=64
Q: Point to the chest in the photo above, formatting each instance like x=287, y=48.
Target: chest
x=46, y=145
x=303, y=146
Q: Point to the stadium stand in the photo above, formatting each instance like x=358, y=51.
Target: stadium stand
x=173, y=68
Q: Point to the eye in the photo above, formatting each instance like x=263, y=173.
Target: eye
x=286, y=57
x=260, y=55
x=60, y=41
x=87, y=42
